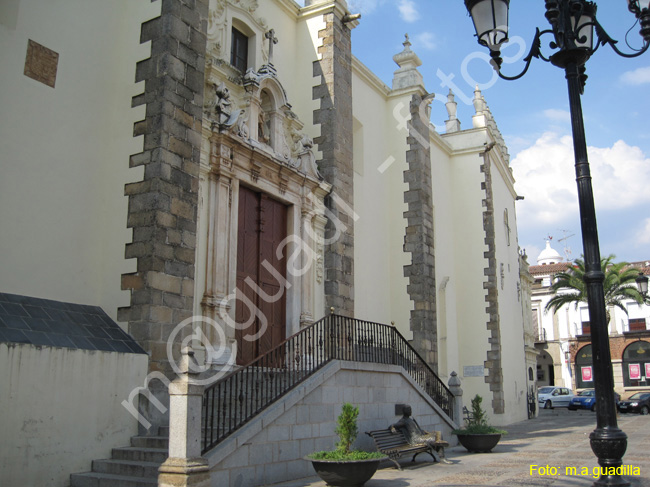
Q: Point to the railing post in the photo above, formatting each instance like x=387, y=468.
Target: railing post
x=454, y=388
x=185, y=467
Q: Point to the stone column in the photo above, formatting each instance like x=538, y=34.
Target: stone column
x=185, y=467
x=307, y=298
x=335, y=144
x=163, y=206
x=419, y=238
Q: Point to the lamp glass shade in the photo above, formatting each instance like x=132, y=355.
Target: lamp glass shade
x=640, y=4
x=642, y=284
x=585, y=29
x=490, y=21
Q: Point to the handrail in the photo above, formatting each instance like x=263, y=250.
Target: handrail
x=243, y=393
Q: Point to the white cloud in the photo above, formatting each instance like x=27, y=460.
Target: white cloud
x=407, y=10
x=545, y=176
x=363, y=6
x=557, y=115
x=639, y=76
x=643, y=237
x=426, y=40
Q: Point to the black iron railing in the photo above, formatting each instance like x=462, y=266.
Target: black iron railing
x=239, y=396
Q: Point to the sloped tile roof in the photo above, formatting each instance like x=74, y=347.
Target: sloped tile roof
x=550, y=269
x=25, y=319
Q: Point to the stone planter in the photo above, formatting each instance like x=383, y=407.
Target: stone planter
x=482, y=443
x=352, y=473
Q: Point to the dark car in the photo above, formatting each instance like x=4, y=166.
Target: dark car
x=636, y=403
x=584, y=400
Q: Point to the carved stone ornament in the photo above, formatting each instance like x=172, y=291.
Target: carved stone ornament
x=219, y=30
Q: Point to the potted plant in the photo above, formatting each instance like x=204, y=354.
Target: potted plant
x=478, y=436
x=344, y=467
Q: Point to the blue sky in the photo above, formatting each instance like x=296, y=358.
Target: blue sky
x=532, y=113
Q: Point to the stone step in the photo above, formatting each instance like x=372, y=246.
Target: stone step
x=93, y=479
x=126, y=468
x=136, y=454
x=150, y=441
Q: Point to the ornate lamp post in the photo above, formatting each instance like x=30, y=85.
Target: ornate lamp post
x=642, y=283
x=573, y=25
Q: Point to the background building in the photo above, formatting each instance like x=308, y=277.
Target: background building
x=564, y=338
x=272, y=177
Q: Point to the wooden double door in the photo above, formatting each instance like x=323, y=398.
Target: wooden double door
x=262, y=228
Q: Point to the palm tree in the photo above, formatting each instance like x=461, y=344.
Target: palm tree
x=619, y=285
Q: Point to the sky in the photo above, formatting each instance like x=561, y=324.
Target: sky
x=533, y=113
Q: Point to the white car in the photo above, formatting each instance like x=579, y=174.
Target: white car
x=552, y=397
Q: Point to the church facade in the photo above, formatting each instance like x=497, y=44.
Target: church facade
x=256, y=178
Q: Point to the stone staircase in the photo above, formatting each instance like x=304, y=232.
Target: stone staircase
x=131, y=466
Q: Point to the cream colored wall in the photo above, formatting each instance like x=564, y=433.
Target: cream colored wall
x=513, y=357
x=467, y=238
x=61, y=408
x=380, y=285
x=65, y=151
x=445, y=249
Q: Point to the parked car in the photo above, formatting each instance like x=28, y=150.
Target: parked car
x=636, y=403
x=584, y=400
x=551, y=397
x=587, y=400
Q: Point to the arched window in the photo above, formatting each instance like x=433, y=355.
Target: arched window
x=636, y=364
x=530, y=373
x=584, y=369
x=506, y=225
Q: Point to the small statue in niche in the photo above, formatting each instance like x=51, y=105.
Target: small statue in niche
x=264, y=129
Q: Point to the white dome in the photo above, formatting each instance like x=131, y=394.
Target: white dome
x=549, y=255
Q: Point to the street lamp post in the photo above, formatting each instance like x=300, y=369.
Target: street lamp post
x=573, y=24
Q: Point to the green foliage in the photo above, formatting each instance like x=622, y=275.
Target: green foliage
x=347, y=427
x=619, y=285
x=477, y=423
x=479, y=416
x=342, y=456
x=478, y=430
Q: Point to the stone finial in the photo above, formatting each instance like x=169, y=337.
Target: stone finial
x=454, y=380
x=407, y=75
x=479, y=101
x=480, y=119
x=453, y=124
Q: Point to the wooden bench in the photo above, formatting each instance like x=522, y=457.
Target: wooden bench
x=394, y=444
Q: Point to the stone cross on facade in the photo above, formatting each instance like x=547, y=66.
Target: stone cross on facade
x=270, y=35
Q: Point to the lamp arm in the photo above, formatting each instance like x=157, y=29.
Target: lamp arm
x=605, y=39
x=535, y=52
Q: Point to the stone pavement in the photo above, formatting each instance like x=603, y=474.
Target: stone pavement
x=558, y=438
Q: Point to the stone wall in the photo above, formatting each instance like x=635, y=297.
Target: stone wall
x=163, y=207
x=335, y=143
x=271, y=448
x=419, y=238
x=494, y=376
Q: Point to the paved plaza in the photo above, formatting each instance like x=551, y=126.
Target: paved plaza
x=558, y=438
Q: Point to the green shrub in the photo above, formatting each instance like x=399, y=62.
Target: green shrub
x=477, y=423
x=347, y=431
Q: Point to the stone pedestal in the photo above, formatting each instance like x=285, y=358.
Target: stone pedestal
x=185, y=467
x=454, y=387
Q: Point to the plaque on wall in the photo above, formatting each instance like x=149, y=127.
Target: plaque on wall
x=473, y=371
